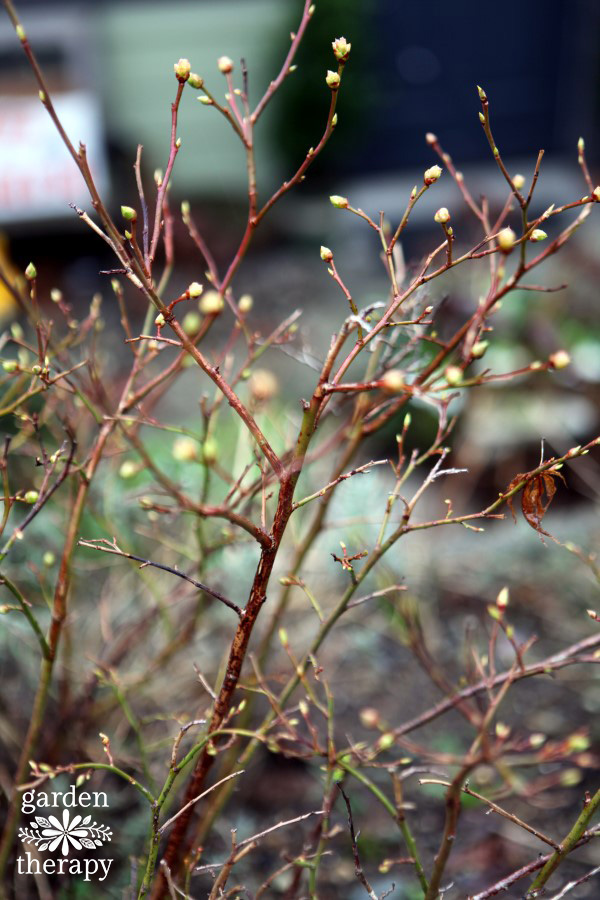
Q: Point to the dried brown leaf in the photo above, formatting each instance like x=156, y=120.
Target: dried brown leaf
x=537, y=495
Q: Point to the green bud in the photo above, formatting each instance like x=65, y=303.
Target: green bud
x=338, y=202
x=195, y=81
x=31, y=497
x=129, y=213
x=432, y=174
x=195, y=289
x=326, y=254
x=538, y=235
x=48, y=558
x=30, y=272
x=185, y=449
x=10, y=365
x=182, y=70
x=341, y=49
x=478, y=349
x=128, y=469
x=506, y=239
x=246, y=303
x=442, y=216
x=210, y=451
x=333, y=80
x=453, y=375
x=225, y=65
x=191, y=322
x=211, y=303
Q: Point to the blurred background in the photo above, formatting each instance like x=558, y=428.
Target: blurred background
x=413, y=69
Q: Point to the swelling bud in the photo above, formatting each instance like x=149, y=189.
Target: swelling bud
x=506, y=239
x=392, y=382
x=225, y=65
x=182, y=70
x=341, y=49
x=211, y=304
x=559, y=360
x=432, y=174
x=338, y=202
x=333, y=80
x=442, y=216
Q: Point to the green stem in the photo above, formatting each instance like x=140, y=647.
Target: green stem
x=566, y=846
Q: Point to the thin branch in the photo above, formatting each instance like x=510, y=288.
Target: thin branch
x=568, y=657
x=107, y=546
x=199, y=797
x=497, y=809
x=358, y=869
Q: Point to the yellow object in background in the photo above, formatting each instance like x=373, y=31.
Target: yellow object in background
x=8, y=305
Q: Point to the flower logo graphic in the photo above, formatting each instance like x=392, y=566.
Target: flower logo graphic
x=78, y=832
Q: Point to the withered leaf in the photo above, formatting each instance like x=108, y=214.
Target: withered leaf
x=536, y=497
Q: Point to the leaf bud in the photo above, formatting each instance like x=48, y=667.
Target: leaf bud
x=519, y=181
x=334, y=120
x=559, y=360
x=263, y=385
x=482, y=94
x=159, y=320
x=478, y=349
x=185, y=449
x=326, y=254
x=333, y=80
x=195, y=81
x=341, y=49
x=338, y=202
x=432, y=174
x=454, y=375
x=580, y=146
x=431, y=138
x=211, y=303
x=596, y=194
x=191, y=322
x=182, y=70
x=392, y=382
x=442, y=216
x=225, y=65
x=246, y=303
x=10, y=365
x=537, y=235
x=194, y=290
x=48, y=558
x=206, y=100
x=481, y=118
x=128, y=469
x=506, y=239
x=30, y=272
x=210, y=451
x=369, y=717
x=31, y=497
x=129, y=213
x=502, y=598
